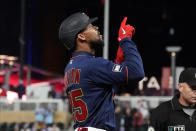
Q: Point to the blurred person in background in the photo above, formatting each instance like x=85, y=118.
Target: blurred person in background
x=52, y=93
x=118, y=117
x=3, y=92
x=35, y=127
x=137, y=120
x=178, y=114
x=25, y=127
x=39, y=115
x=128, y=119
x=16, y=127
x=63, y=95
x=54, y=128
x=49, y=116
x=44, y=127
x=88, y=79
x=143, y=108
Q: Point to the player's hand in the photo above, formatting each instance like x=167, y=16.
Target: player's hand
x=125, y=30
x=120, y=56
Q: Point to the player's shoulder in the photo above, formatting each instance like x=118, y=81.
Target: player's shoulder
x=100, y=61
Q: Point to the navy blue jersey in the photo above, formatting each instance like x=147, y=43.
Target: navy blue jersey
x=89, y=82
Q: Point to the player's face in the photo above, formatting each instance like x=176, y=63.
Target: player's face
x=93, y=38
x=92, y=33
x=188, y=95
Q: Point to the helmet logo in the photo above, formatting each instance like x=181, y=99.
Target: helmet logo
x=84, y=14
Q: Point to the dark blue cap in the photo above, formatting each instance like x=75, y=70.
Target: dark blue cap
x=71, y=26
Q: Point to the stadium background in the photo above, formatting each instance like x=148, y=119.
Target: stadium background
x=158, y=23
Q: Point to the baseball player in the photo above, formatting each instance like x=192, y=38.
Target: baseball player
x=89, y=80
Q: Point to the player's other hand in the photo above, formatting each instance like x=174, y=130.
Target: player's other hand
x=119, y=56
x=125, y=30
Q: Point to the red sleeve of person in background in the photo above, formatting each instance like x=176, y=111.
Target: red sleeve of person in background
x=124, y=31
x=3, y=92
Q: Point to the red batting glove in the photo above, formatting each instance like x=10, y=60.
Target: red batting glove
x=120, y=56
x=124, y=31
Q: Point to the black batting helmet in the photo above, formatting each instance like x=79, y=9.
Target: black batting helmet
x=71, y=26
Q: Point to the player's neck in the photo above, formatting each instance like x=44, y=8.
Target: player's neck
x=84, y=47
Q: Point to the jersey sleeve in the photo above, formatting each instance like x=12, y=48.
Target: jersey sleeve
x=108, y=72
x=133, y=60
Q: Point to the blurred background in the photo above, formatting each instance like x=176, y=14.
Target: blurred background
x=33, y=59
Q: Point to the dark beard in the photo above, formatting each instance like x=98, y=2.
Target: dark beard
x=97, y=46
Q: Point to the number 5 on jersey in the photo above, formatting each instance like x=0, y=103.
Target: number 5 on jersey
x=79, y=107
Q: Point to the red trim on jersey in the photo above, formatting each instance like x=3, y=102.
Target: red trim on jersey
x=82, y=129
x=77, y=56
x=127, y=74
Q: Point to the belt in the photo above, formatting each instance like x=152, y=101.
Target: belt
x=88, y=129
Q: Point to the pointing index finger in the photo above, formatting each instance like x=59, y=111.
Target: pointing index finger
x=124, y=21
